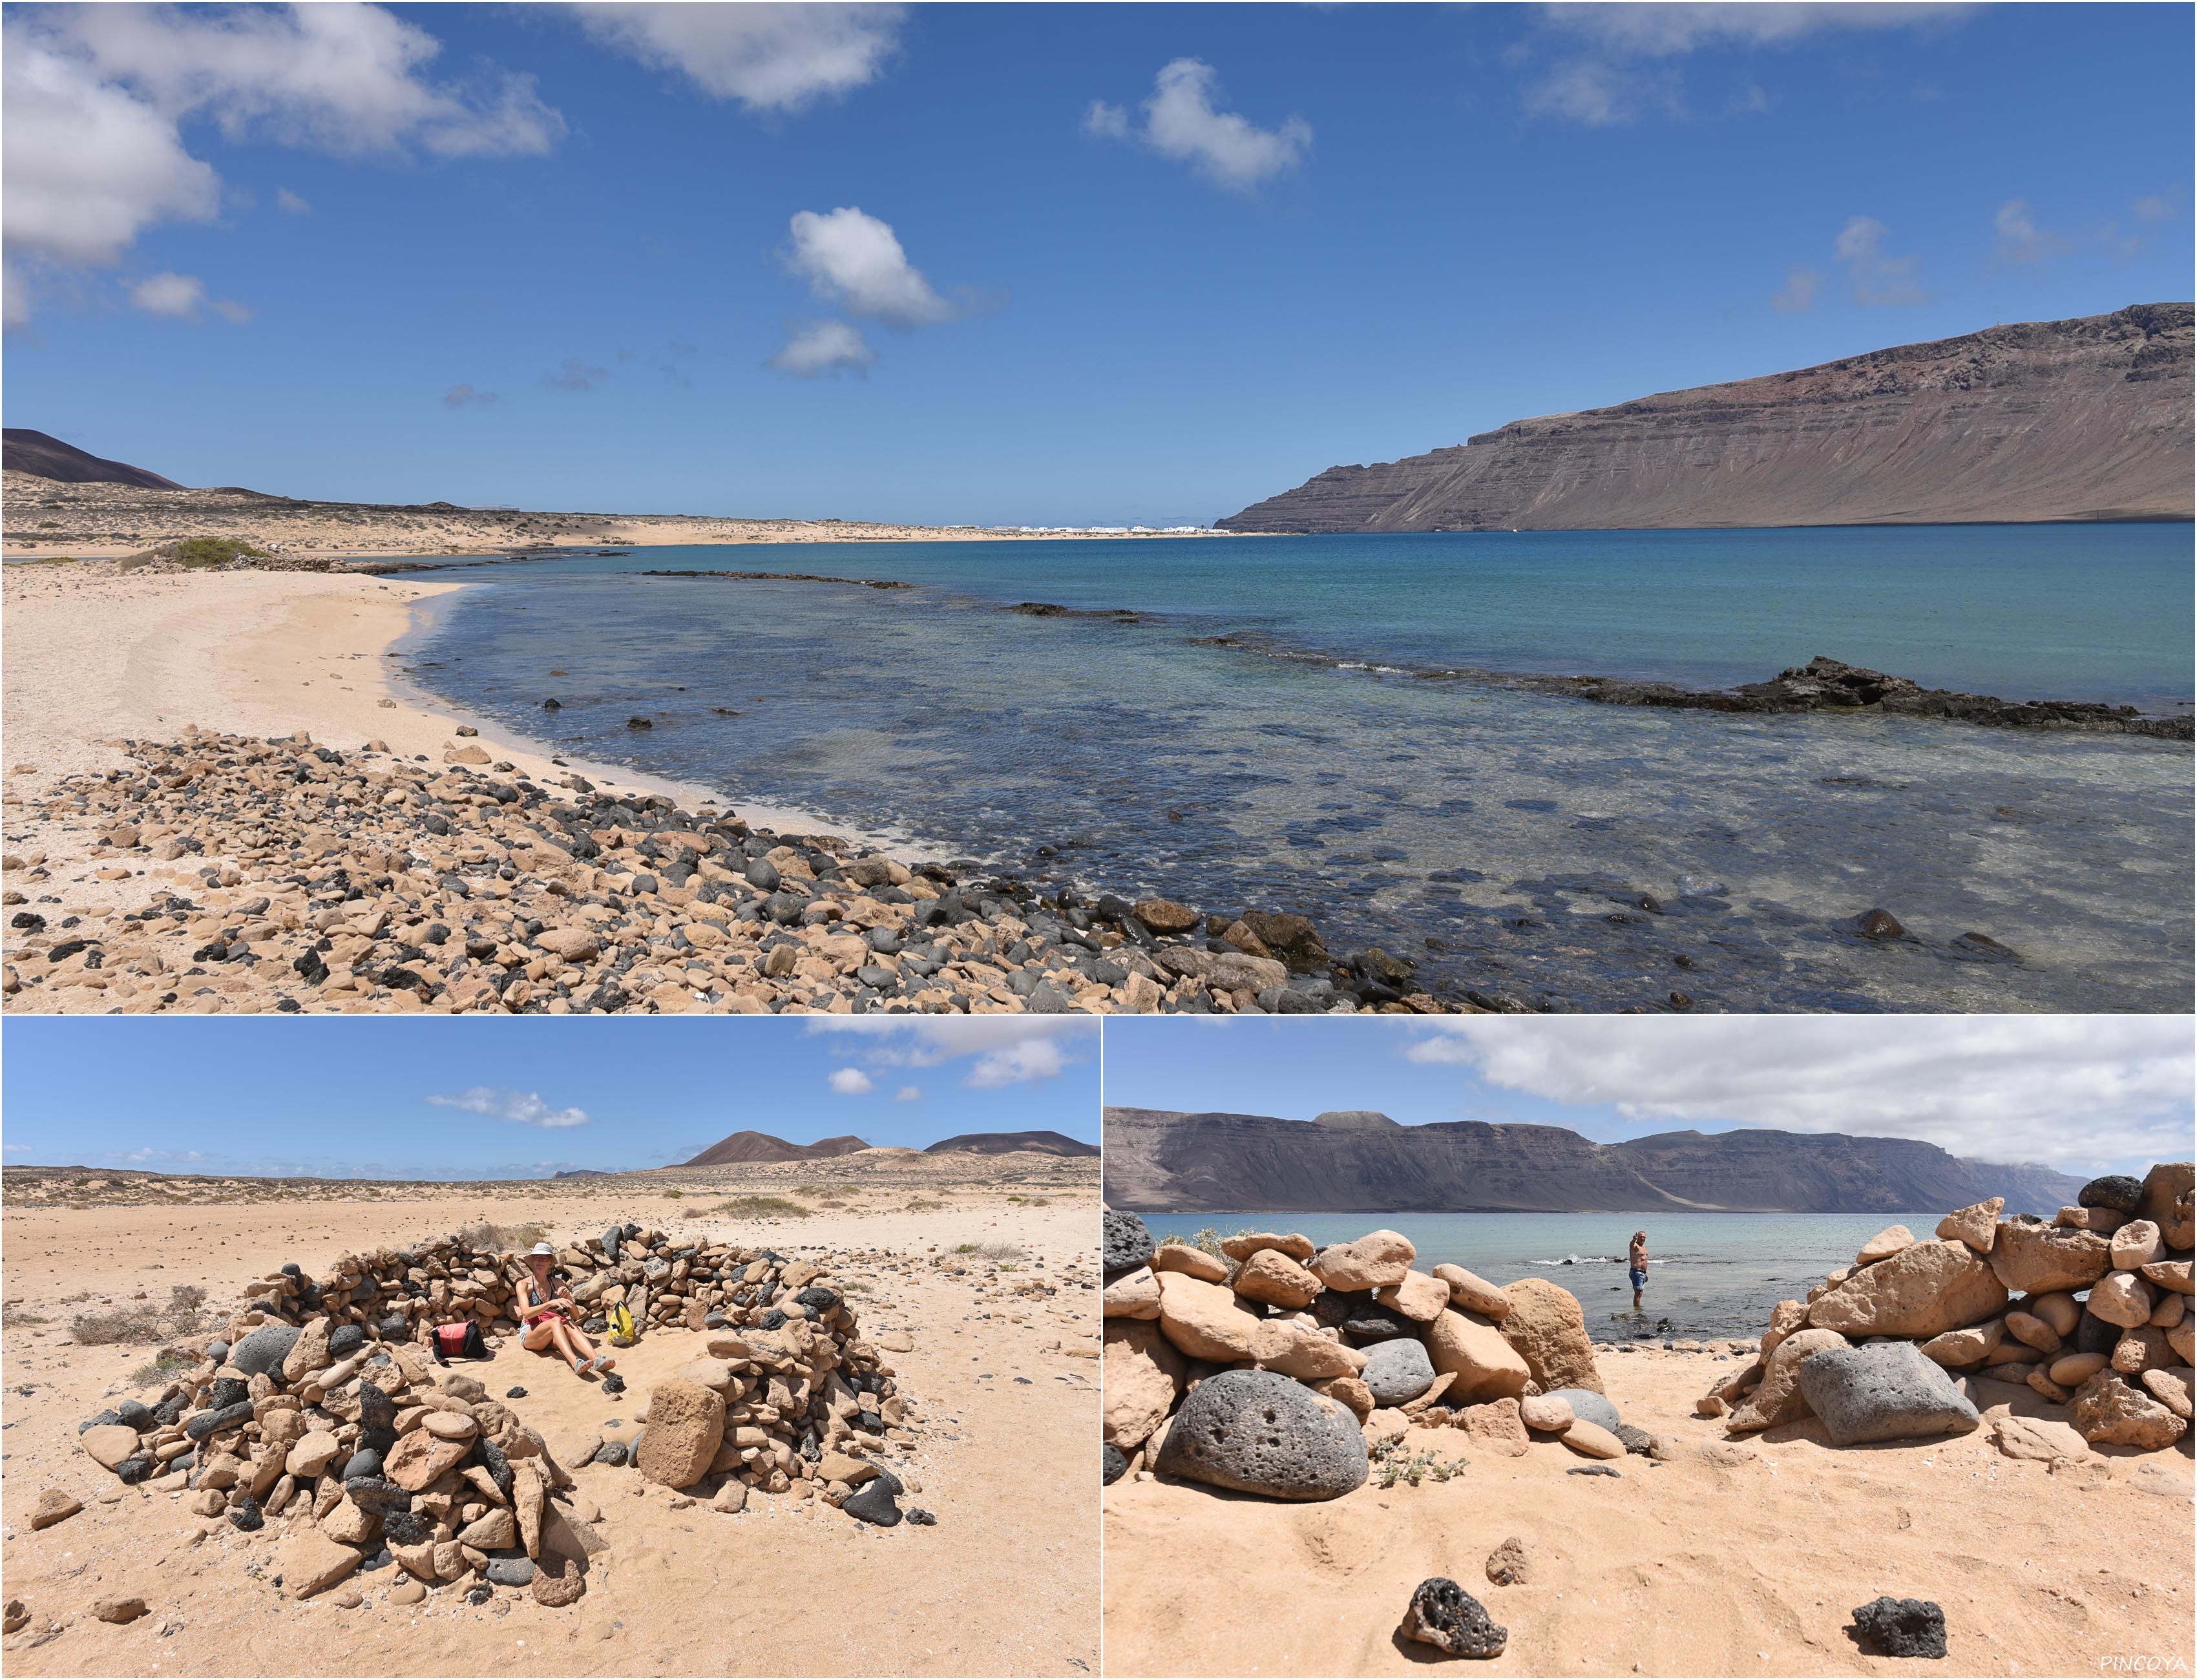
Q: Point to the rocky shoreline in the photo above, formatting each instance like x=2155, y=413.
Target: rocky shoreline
x=226, y=872
x=1828, y=685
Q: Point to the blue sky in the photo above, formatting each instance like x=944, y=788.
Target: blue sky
x=2085, y=1094
x=1112, y=264
x=521, y=1098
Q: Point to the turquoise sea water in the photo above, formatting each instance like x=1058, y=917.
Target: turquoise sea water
x=1709, y=1274
x=1327, y=765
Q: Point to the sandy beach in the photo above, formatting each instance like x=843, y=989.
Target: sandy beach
x=1742, y=1558
x=47, y=517
x=1001, y=1368
x=186, y=750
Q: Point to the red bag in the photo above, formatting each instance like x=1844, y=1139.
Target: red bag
x=460, y=1341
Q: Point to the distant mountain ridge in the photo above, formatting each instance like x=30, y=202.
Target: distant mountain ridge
x=2080, y=420
x=1010, y=1143
x=1162, y=1161
x=23, y=450
x=744, y=1147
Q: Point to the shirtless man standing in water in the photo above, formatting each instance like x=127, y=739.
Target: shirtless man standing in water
x=1636, y=1258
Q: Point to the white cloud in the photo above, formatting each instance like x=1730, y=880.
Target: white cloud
x=2017, y=239
x=856, y=261
x=1001, y=1050
x=458, y=395
x=179, y=295
x=1668, y=31
x=851, y=1082
x=1017, y=1064
x=1182, y=121
x=525, y=1107
x=139, y=1157
x=1801, y=287
x=770, y=57
x=95, y=98
x=816, y=348
x=1108, y=122
x=1618, y=63
x=908, y=1093
x=2155, y=207
x=2073, y=1092
x=1873, y=276
x=286, y=200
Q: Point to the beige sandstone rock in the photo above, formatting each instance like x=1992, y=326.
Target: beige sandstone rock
x=1142, y=1376
x=311, y=1562
x=1495, y=1426
x=686, y=1424
x=419, y=1457
x=1785, y=1318
x=2031, y=1258
x=2122, y=1298
x=2039, y=1438
x=1349, y=1391
x=492, y=1532
x=1778, y=1399
x=1193, y=1262
x=2033, y=1332
x=1379, y=1257
x=2140, y=1349
x=53, y=1506
x=108, y=1444
x=352, y=1524
x=118, y=1607
x=2072, y=1370
x=2170, y=1275
x=1548, y=1328
x=1552, y=1414
x=1885, y=1244
x=1245, y=1244
x=315, y=1450
x=1923, y=1290
x=1509, y=1566
x=1209, y=1322
x=310, y=1352
x=2108, y=1410
x=1273, y=1277
x=2171, y=1389
x=451, y=1426
x=1976, y=1224
x=2057, y=1308
x=1383, y=1425
x=1486, y=1365
x=2136, y=1244
x=2167, y=1308
x=1419, y=1297
x=1967, y=1347
x=2166, y=1203
x=1134, y=1295
x=1593, y=1441
x=1474, y=1293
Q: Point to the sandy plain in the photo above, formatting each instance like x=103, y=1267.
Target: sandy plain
x=1004, y=1368
x=1741, y=1558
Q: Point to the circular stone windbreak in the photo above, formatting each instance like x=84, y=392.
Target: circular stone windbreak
x=322, y=1410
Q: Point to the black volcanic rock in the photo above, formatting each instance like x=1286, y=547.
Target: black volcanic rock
x=1163, y=1161
x=2087, y=418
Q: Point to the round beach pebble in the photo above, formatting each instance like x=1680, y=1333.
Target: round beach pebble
x=1592, y=1440
x=450, y=1426
x=1552, y=1413
x=1586, y=1403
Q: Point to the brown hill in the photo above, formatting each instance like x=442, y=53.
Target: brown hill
x=2045, y=421
x=1008, y=1143
x=1164, y=1161
x=747, y=1146
x=22, y=451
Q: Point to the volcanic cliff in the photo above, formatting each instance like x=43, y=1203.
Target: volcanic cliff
x=2078, y=420
x=1161, y=1161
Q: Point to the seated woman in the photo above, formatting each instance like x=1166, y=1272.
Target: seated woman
x=550, y=1314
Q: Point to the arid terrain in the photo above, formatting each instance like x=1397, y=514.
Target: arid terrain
x=984, y=1264
x=2047, y=420
x=1740, y=1558
x=43, y=517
